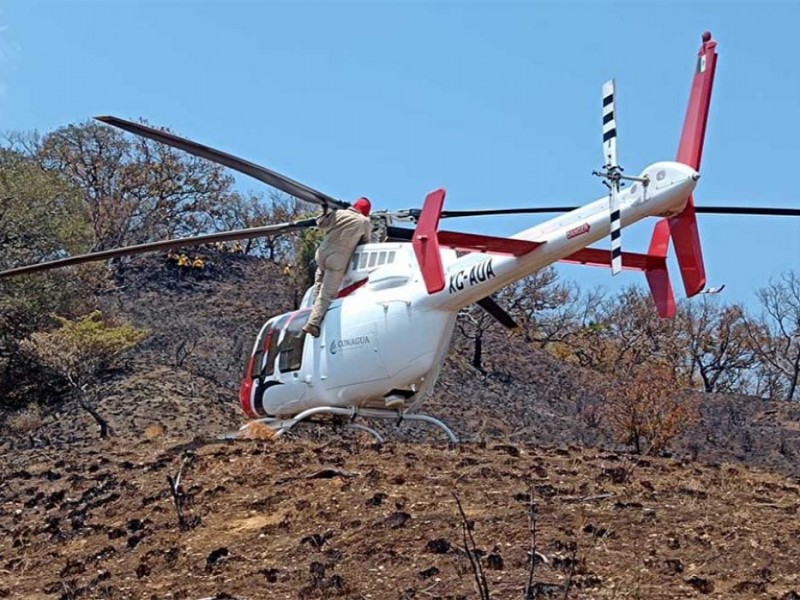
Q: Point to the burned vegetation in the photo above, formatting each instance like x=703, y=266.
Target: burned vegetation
x=607, y=452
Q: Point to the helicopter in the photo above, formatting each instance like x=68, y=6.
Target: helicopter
x=386, y=335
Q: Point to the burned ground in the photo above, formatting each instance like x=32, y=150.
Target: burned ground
x=342, y=518
x=321, y=516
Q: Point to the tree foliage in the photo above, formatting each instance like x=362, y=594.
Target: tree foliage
x=535, y=302
x=775, y=337
x=718, y=347
x=645, y=410
x=242, y=211
x=40, y=219
x=624, y=329
x=133, y=189
x=81, y=350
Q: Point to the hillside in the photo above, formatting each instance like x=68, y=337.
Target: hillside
x=186, y=376
x=324, y=514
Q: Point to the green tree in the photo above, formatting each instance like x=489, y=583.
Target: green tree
x=133, y=189
x=80, y=351
x=40, y=219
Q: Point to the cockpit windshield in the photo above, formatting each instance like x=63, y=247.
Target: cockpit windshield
x=290, y=352
x=274, y=334
x=280, y=344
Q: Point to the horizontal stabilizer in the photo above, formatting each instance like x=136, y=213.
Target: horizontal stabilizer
x=469, y=242
x=595, y=257
x=653, y=264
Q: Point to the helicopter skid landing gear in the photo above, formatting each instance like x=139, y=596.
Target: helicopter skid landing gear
x=281, y=426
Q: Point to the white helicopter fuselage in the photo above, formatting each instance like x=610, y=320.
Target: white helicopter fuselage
x=388, y=336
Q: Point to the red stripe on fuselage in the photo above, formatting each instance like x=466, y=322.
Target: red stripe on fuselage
x=351, y=288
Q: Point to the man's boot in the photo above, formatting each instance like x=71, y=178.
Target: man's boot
x=312, y=330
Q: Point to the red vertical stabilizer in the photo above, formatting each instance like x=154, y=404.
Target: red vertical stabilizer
x=683, y=228
x=657, y=276
x=426, y=242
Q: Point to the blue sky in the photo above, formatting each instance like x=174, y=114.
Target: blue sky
x=496, y=101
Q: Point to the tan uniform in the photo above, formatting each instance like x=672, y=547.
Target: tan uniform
x=344, y=230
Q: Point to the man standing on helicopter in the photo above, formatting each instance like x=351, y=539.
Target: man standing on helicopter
x=344, y=230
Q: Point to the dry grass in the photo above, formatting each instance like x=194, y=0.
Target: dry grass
x=256, y=430
x=25, y=421
x=154, y=431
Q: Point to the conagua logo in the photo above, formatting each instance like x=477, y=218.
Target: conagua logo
x=352, y=342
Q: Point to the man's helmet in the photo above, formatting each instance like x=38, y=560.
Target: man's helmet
x=363, y=205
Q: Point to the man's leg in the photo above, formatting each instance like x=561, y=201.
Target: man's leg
x=329, y=286
x=317, y=284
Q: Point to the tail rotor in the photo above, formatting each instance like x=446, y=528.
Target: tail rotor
x=612, y=174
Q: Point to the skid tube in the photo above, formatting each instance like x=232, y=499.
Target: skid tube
x=281, y=426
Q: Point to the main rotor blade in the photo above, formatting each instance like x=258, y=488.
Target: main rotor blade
x=709, y=210
x=399, y=234
x=276, y=180
x=748, y=210
x=450, y=214
x=225, y=236
x=493, y=308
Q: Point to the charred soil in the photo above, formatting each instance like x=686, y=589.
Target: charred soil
x=342, y=518
x=317, y=515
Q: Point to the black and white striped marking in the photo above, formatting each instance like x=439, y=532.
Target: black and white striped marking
x=616, y=240
x=610, y=153
x=609, y=125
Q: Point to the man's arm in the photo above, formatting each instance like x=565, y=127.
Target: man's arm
x=326, y=219
x=366, y=232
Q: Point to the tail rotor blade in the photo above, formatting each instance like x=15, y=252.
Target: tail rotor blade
x=612, y=168
x=609, y=126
